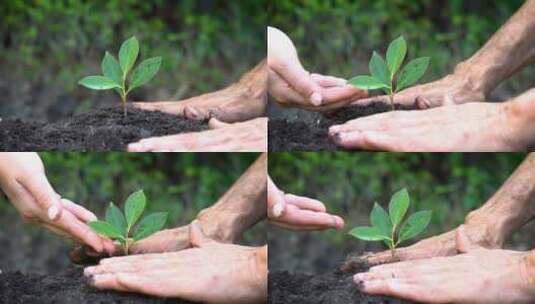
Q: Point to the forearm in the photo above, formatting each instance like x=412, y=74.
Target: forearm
x=242, y=206
x=513, y=205
x=509, y=50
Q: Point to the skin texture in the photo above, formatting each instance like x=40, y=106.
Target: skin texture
x=509, y=50
x=467, y=127
x=224, y=273
x=298, y=212
x=493, y=276
x=23, y=180
x=291, y=85
x=241, y=207
x=248, y=136
x=241, y=101
x=510, y=208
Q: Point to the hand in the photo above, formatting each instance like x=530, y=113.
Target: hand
x=476, y=276
x=249, y=136
x=466, y=127
x=23, y=180
x=298, y=212
x=480, y=229
x=223, y=273
x=450, y=90
x=291, y=85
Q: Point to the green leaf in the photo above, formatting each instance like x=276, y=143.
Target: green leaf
x=380, y=219
x=414, y=225
x=106, y=229
x=368, y=234
x=111, y=69
x=367, y=83
x=399, y=203
x=379, y=70
x=98, y=83
x=115, y=217
x=128, y=54
x=397, y=50
x=412, y=72
x=149, y=225
x=144, y=72
x=134, y=206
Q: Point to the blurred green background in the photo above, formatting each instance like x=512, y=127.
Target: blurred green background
x=449, y=184
x=179, y=183
x=46, y=46
x=337, y=37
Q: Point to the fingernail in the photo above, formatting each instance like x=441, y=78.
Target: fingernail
x=53, y=212
x=277, y=210
x=192, y=113
x=316, y=98
x=88, y=271
x=89, y=279
x=338, y=137
x=334, y=129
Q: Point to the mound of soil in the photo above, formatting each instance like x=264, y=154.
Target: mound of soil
x=100, y=130
x=334, y=287
x=286, y=135
x=67, y=287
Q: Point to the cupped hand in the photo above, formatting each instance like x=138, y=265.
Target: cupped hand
x=224, y=273
x=23, y=180
x=291, y=85
x=450, y=90
x=298, y=212
x=466, y=127
x=248, y=136
x=475, y=276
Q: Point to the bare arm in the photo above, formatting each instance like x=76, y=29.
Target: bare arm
x=242, y=206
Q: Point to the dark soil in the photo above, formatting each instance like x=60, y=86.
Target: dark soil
x=334, y=287
x=100, y=130
x=65, y=288
x=286, y=135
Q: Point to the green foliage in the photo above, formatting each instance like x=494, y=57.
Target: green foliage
x=117, y=228
x=116, y=73
x=384, y=74
x=390, y=228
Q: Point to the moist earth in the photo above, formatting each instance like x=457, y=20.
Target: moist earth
x=100, y=130
x=296, y=135
x=67, y=287
x=335, y=287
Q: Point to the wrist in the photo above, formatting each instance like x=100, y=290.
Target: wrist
x=520, y=115
x=527, y=271
x=218, y=225
x=486, y=228
x=472, y=79
x=259, y=270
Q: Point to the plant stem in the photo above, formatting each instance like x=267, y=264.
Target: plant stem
x=126, y=247
x=391, y=97
x=123, y=101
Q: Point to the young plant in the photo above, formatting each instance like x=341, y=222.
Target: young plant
x=384, y=75
x=390, y=227
x=116, y=74
x=118, y=226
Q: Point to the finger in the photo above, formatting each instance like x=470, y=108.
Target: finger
x=151, y=285
x=395, y=288
x=79, y=230
x=464, y=244
x=106, y=281
x=45, y=196
x=196, y=235
x=371, y=100
x=328, y=81
x=422, y=103
x=369, y=140
x=448, y=100
x=213, y=123
x=344, y=94
x=300, y=80
x=193, y=113
x=276, y=201
x=79, y=211
x=171, y=107
x=310, y=218
x=305, y=202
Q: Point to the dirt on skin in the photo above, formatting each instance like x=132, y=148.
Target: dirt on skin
x=68, y=287
x=100, y=130
x=335, y=287
x=285, y=135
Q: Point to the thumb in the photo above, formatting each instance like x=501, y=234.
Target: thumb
x=299, y=79
x=197, y=238
x=464, y=244
x=44, y=194
x=214, y=123
x=275, y=200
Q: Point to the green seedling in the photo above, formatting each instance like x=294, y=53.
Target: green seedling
x=116, y=74
x=384, y=75
x=391, y=227
x=119, y=227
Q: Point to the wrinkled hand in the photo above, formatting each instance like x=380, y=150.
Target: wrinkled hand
x=224, y=273
x=475, y=276
x=298, y=212
x=450, y=90
x=466, y=127
x=291, y=85
x=23, y=180
x=249, y=136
